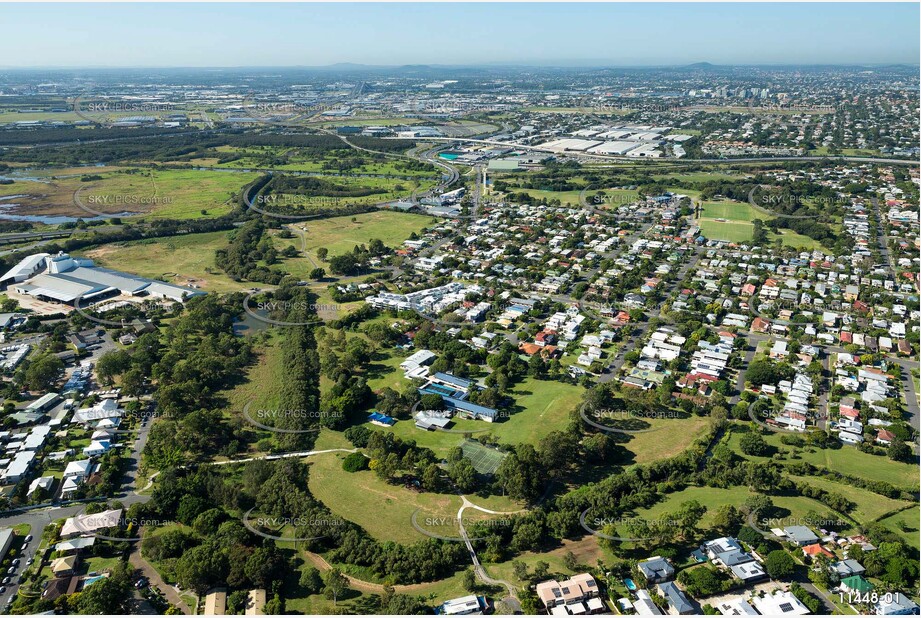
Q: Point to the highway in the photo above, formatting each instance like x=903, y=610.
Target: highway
x=489, y=142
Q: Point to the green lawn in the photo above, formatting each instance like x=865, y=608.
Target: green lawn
x=909, y=519
x=714, y=498
x=184, y=260
x=846, y=460
x=341, y=234
x=797, y=241
x=173, y=194
x=382, y=509
x=672, y=437
x=870, y=506
x=734, y=211
x=735, y=231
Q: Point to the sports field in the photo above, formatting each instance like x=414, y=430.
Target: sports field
x=485, y=460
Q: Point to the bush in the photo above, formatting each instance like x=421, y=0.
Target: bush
x=779, y=564
x=355, y=462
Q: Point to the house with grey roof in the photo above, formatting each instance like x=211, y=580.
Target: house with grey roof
x=678, y=602
x=656, y=569
x=801, y=535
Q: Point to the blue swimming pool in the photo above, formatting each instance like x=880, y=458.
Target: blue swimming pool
x=629, y=584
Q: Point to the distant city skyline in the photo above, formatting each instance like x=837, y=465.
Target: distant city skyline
x=305, y=35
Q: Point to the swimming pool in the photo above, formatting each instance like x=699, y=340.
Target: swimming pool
x=629, y=584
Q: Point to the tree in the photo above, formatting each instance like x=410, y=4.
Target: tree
x=355, y=462
x=201, y=567
x=43, y=372
x=899, y=451
x=317, y=274
x=464, y=475
x=311, y=581
x=521, y=569
x=335, y=584
x=779, y=564
x=431, y=478
x=111, y=364
x=753, y=444
x=728, y=519
x=469, y=580
x=322, y=252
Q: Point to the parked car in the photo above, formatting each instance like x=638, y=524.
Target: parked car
x=28, y=538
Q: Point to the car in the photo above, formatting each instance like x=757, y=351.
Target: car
x=15, y=561
x=6, y=580
x=28, y=538
x=2, y=589
x=11, y=570
x=30, y=561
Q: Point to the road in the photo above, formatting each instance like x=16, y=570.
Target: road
x=636, y=335
x=511, y=600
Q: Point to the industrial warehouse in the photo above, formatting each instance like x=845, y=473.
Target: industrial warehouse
x=64, y=279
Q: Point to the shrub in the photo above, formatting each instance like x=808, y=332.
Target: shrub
x=355, y=462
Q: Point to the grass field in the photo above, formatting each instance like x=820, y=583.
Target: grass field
x=262, y=383
x=673, y=436
x=734, y=211
x=382, y=509
x=797, y=241
x=731, y=231
x=341, y=234
x=586, y=550
x=714, y=497
x=847, y=460
x=909, y=519
x=870, y=506
x=184, y=260
x=153, y=194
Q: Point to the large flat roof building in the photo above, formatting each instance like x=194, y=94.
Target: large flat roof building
x=65, y=279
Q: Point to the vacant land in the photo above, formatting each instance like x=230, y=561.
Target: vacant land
x=184, y=260
x=340, y=234
x=672, y=436
x=846, y=460
x=384, y=510
x=148, y=194
x=869, y=506
x=731, y=231
x=905, y=524
x=714, y=497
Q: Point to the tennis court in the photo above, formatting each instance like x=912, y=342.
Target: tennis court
x=485, y=460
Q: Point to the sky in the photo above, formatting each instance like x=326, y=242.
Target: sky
x=629, y=34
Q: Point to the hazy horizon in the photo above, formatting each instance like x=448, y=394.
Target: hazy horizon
x=626, y=35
